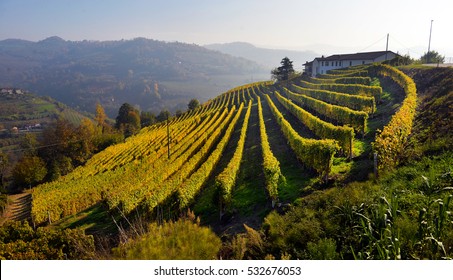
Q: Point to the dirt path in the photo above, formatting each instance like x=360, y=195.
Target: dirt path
x=18, y=208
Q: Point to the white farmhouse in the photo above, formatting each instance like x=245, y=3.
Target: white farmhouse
x=321, y=65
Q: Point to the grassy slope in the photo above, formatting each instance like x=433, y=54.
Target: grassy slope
x=433, y=127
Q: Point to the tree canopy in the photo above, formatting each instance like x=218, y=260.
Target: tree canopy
x=193, y=104
x=100, y=115
x=3, y=165
x=19, y=241
x=128, y=119
x=147, y=119
x=432, y=57
x=29, y=171
x=163, y=115
x=283, y=72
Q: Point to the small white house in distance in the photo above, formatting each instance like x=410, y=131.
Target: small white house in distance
x=321, y=65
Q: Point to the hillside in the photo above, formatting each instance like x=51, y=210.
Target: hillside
x=263, y=56
x=147, y=73
x=433, y=128
x=282, y=170
x=24, y=112
x=21, y=108
x=203, y=143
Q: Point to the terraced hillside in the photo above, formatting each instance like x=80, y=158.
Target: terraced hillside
x=246, y=151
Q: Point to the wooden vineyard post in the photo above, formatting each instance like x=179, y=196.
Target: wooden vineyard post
x=48, y=217
x=375, y=160
x=168, y=137
x=350, y=148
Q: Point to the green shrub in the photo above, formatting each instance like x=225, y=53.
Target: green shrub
x=324, y=249
x=18, y=241
x=180, y=240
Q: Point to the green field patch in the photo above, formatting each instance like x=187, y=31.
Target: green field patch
x=46, y=108
x=95, y=219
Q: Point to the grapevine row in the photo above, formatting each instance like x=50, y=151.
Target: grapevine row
x=187, y=191
x=227, y=178
x=355, y=102
x=166, y=176
x=356, y=73
x=343, y=80
x=348, y=70
x=69, y=196
x=354, y=89
x=343, y=134
x=344, y=115
x=271, y=166
x=390, y=142
x=316, y=154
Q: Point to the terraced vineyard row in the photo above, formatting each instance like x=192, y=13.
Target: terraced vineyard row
x=173, y=161
x=355, y=102
x=271, y=165
x=340, y=114
x=225, y=181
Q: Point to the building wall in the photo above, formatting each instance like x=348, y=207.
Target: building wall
x=315, y=68
x=321, y=67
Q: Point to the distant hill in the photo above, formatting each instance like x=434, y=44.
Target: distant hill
x=147, y=73
x=24, y=112
x=19, y=108
x=269, y=58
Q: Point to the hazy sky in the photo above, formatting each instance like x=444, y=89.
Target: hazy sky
x=350, y=25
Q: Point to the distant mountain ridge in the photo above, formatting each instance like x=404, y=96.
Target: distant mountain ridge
x=149, y=74
x=269, y=58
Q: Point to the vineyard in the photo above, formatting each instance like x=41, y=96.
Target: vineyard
x=280, y=138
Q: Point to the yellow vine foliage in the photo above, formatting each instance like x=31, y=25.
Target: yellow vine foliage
x=190, y=188
x=226, y=180
x=344, y=115
x=271, y=166
x=390, y=142
x=316, y=154
x=343, y=134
